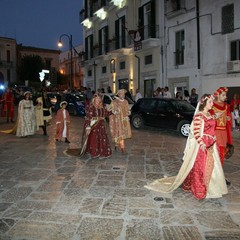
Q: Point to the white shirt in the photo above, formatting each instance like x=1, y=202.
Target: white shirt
x=138, y=96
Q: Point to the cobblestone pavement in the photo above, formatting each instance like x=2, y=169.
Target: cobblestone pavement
x=46, y=194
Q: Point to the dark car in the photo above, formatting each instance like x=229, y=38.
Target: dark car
x=76, y=103
x=164, y=113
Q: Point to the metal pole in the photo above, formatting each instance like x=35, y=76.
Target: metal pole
x=71, y=62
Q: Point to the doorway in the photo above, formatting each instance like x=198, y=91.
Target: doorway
x=149, y=87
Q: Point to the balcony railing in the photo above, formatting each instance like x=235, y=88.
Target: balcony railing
x=89, y=10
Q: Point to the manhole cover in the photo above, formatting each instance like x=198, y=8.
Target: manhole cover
x=158, y=199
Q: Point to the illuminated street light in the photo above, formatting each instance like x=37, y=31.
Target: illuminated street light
x=71, y=56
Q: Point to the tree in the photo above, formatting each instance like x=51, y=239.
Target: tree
x=29, y=69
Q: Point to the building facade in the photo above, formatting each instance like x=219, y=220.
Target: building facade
x=122, y=44
x=8, y=61
x=65, y=65
x=202, y=44
x=145, y=44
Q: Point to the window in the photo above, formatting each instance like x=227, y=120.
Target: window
x=176, y=5
x=113, y=66
x=8, y=75
x=48, y=63
x=164, y=106
x=147, y=22
x=148, y=59
x=89, y=47
x=228, y=19
x=103, y=40
x=8, y=55
x=122, y=65
x=89, y=73
x=147, y=104
x=180, y=43
x=104, y=69
x=235, y=50
x=120, y=33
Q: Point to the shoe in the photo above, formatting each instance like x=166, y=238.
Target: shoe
x=123, y=150
x=228, y=182
x=67, y=141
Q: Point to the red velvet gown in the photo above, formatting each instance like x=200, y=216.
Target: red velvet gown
x=97, y=143
x=199, y=177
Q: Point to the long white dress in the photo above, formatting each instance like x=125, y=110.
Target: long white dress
x=26, y=119
x=216, y=187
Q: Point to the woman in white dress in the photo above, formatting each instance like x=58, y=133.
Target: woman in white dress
x=26, y=125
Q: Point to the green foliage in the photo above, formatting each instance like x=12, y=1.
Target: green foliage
x=29, y=68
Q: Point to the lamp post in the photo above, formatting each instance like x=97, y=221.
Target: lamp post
x=71, y=56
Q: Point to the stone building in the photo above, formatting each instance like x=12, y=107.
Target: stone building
x=65, y=65
x=8, y=61
x=146, y=44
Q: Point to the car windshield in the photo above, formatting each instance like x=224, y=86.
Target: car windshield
x=183, y=106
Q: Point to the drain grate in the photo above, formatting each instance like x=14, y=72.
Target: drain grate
x=116, y=168
x=158, y=199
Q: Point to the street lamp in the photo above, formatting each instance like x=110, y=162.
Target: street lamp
x=71, y=56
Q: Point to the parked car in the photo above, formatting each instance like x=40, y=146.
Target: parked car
x=163, y=113
x=76, y=104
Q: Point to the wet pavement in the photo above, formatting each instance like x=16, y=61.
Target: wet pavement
x=47, y=194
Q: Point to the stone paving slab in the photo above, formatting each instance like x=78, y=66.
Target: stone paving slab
x=46, y=194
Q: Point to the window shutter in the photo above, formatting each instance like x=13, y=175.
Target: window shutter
x=123, y=32
x=141, y=22
x=106, y=39
x=100, y=49
x=86, y=49
x=153, y=21
x=117, y=34
x=91, y=46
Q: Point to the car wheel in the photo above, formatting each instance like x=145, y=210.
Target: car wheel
x=137, y=122
x=183, y=128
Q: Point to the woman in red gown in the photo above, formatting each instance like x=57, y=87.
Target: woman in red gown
x=201, y=172
x=97, y=142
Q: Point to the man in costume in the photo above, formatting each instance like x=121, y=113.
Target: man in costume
x=223, y=121
x=119, y=121
x=43, y=112
x=223, y=117
x=62, y=122
x=8, y=104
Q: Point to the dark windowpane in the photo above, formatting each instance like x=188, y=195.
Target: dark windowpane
x=89, y=73
x=180, y=45
x=148, y=59
x=234, y=50
x=104, y=69
x=228, y=19
x=122, y=65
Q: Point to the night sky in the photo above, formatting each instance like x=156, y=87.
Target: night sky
x=39, y=23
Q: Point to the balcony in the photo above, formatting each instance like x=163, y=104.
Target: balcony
x=175, y=8
x=88, y=11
